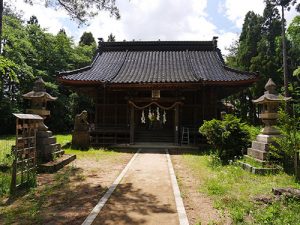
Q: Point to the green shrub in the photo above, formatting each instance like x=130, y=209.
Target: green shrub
x=228, y=137
x=286, y=148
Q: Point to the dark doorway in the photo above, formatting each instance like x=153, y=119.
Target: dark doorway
x=153, y=128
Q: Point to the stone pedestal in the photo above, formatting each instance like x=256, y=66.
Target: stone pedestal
x=259, y=148
x=46, y=145
x=81, y=139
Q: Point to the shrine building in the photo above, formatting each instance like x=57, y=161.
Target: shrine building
x=154, y=91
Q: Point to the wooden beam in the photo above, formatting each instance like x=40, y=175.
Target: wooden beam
x=163, y=99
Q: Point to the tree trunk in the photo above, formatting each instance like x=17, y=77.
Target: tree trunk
x=285, y=69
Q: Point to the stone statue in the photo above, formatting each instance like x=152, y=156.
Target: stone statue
x=80, y=135
x=81, y=123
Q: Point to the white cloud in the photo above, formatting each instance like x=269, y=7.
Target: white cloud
x=235, y=10
x=152, y=20
x=47, y=17
x=155, y=19
x=225, y=40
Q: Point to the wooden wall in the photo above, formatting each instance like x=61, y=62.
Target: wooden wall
x=113, y=110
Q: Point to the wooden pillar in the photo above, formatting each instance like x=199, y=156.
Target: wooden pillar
x=96, y=110
x=176, y=125
x=104, y=107
x=131, y=124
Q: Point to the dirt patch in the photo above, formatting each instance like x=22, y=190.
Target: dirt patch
x=199, y=207
x=68, y=196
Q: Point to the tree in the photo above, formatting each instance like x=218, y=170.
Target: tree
x=293, y=36
x=87, y=38
x=257, y=50
x=33, y=20
x=111, y=38
x=285, y=4
x=79, y=10
x=30, y=52
x=248, y=41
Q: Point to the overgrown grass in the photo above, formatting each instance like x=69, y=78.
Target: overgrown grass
x=233, y=189
x=6, y=143
x=29, y=212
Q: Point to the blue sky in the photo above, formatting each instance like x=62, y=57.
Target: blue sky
x=156, y=19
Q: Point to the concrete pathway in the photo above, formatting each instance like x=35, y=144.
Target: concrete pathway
x=144, y=195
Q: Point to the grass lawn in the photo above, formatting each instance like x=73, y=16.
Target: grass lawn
x=233, y=190
x=96, y=154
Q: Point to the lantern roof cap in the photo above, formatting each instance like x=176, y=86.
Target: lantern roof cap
x=270, y=94
x=271, y=86
x=39, y=92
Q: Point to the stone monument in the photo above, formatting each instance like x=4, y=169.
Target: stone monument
x=80, y=135
x=269, y=103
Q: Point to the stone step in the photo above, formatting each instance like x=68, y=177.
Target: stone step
x=58, y=154
x=263, y=162
x=51, y=147
x=266, y=138
x=258, y=154
x=44, y=134
x=53, y=166
x=260, y=145
x=46, y=140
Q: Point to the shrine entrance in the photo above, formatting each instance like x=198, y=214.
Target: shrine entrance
x=155, y=122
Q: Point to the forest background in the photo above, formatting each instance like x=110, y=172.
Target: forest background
x=29, y=51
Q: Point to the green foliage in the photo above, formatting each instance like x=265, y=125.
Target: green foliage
x=87, y=38
x=284, y=211
x=229, y=136
x=289, y=127
x=30, y=51
x=288, y=145
x=293, y=31
x=296, y=72
x=259, y=48
x=253, y=130
x=5, y=179
x=233, y=190
x=6, y=142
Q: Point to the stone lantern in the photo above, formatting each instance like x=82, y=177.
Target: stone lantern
x=269, y=104
x=39, y=98
x=47, y=147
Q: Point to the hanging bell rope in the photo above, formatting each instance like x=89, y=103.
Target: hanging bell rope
x=154, y=103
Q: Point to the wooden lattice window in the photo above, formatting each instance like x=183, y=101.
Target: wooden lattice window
x=24, y=152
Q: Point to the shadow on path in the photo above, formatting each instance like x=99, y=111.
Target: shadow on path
x=129, y=205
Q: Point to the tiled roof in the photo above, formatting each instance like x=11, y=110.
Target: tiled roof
x=157, y=62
